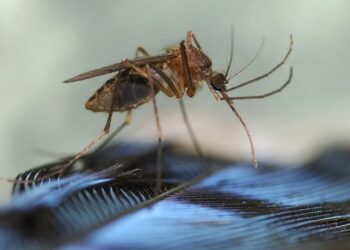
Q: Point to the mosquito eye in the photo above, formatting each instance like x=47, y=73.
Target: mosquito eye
x=218, y=81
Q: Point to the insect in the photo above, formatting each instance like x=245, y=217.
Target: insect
x=179, y=72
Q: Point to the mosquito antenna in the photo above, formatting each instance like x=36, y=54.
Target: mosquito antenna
x=271, y=71
x=250, y=62
x=230, y=103
x=231, y=54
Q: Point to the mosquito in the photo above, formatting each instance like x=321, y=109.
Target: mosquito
x=179, y=72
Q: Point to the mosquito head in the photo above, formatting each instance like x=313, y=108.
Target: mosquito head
x=218, y=81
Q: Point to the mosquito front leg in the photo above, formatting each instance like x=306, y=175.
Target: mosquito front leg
x=186, y=69
x=238, y=115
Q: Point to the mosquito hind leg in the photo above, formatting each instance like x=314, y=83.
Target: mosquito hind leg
x=127, y=121
x=104, y=132
x=70, y=163
x=141, y=50
x=189, y=38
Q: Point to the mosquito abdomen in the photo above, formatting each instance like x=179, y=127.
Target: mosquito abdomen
x=127, y=90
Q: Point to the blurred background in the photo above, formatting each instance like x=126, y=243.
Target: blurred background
x=45, y=42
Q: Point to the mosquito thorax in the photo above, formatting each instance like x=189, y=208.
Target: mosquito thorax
x=218, y=81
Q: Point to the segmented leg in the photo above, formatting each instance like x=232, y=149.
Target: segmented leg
x=186, y=69
x=143, y=73
x=172, y=85
x=190, y=129
x=230, y=103
x=104, y=132
x=159, y=131
x=153, y=83
x=126, y=122
x=191, y=36
x=141, y=50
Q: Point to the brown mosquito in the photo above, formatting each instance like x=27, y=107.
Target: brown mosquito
x=179, y=72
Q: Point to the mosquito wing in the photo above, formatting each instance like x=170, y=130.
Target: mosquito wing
x=118, y=66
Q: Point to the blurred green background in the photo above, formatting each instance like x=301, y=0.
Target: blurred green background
x=44, y=42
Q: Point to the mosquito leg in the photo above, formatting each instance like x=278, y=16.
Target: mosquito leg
x=270, y=72
x=103, y=133
x=142, y=72
x=264, y=95
x=178, y=94
x=190, y=35
x=142, y=51
x=61, y=170
x=159, y=131
x=186, y=69
x=70, y=163
x=172, y=85
x=190, y=129
x=108, y=123
x=174, y=89
x=126, y=122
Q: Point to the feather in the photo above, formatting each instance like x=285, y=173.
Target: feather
x=231, y=207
